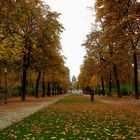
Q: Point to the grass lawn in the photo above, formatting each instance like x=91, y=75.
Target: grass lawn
x=76, y=118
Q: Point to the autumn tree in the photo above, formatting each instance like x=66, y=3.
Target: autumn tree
x=106, y=44
x=29, y=38
x=86, y=72
x=121, y=22
x=46, y=47
x=57, y=76
x=96, y=50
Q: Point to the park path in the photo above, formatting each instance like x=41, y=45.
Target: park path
x=16, y=110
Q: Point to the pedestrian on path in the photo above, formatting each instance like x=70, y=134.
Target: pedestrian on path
x=91, y=95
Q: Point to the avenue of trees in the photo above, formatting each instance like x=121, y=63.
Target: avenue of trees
x=30, y=49
x=113, y=48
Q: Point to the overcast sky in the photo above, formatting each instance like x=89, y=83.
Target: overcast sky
x=76, y=19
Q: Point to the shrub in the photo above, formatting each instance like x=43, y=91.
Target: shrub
x=31, y=90
x=126, y=89
x=16, y=91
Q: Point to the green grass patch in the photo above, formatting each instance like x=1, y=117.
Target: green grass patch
x=74, y=118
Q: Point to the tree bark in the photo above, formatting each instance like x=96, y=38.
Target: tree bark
x=43, y=85
x=110, y=85
x=117, y=80
x=24, y=78
x=37, y=84
x=103, y=89
x=26, y=61
x=5, y=88
x=53, y=88
x=57, y=88
x=136, y=76
x=48, y=93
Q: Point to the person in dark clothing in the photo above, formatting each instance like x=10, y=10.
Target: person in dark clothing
x=90, y=92
x=91, y=95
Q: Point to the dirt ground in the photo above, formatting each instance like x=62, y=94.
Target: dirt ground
x=16, y=109
x=125, y=103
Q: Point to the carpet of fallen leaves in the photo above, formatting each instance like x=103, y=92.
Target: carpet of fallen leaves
x=76, y=118
x=15, y=102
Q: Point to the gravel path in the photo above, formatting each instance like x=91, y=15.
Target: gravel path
x=9, y=115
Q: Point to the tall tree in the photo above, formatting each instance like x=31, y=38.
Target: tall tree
x=121, y=22
x=31, y=32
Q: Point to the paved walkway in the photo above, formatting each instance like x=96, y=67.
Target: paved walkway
x=16, y=110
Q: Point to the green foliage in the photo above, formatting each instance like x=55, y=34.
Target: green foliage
x=114, y=91
x=1, y=89
x=126, y=89
x=31, y=90
x=17, y=91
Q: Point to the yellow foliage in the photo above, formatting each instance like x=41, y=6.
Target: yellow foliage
x=11, y=50
x=94, y=83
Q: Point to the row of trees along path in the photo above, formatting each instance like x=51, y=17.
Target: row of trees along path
x=30, y=47
x=112, y=47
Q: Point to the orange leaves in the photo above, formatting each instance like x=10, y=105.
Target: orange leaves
x=95, y=81
x=30, y=38
x=112, y=41
x=75, y=117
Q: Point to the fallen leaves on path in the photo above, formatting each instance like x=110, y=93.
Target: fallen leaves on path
x=15, y=102
x=75, y=117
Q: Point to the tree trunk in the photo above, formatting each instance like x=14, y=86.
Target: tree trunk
x=110, y=85
x=37, y=84
x=103, y=89
x=48, y=93
x=136, y=77
x=43, y=85
x=43, y=88
x=24, y=78
x=26, y=61
x=5, y=88
x=117, y=80
x=53, y=88
x=56, y=88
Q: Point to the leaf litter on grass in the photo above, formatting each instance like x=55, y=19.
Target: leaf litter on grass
x=75, y=117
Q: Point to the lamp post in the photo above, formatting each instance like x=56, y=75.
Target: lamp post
x=5, y=85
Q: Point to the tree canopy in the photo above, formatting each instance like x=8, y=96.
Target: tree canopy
x=30, y=41
x=112, y=46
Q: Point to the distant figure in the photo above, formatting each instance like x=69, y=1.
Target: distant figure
x=91, y=95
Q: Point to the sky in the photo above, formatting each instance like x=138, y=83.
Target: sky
x=76, y=18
